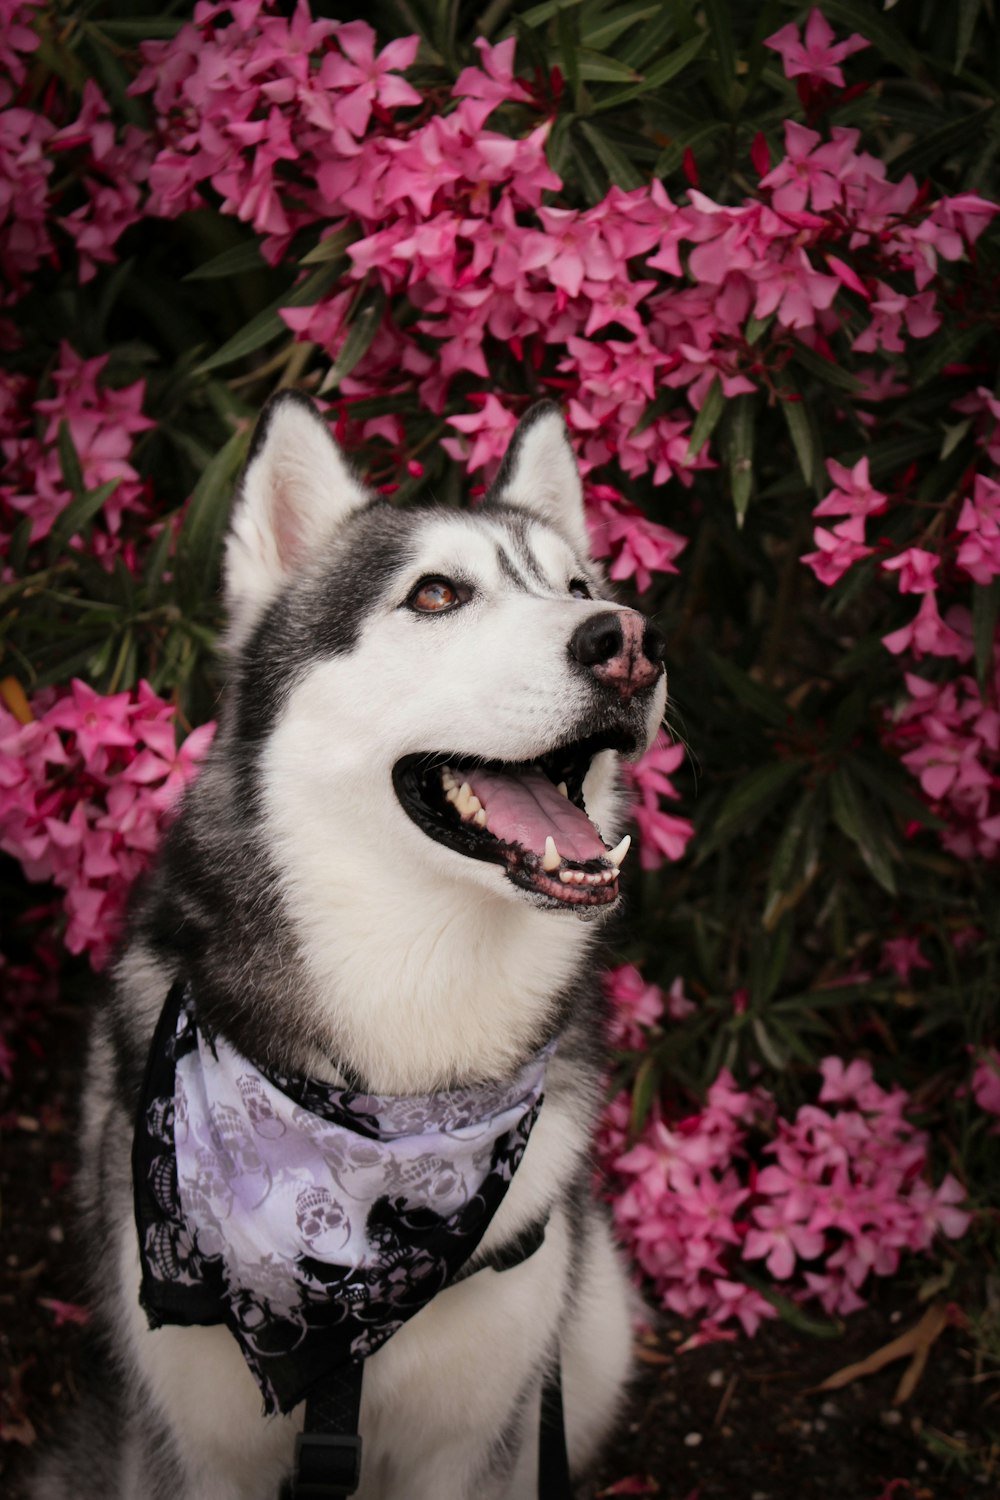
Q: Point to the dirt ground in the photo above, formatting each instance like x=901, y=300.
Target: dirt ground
x=728, y=1422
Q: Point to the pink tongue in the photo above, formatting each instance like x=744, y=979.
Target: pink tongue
x=525, y=809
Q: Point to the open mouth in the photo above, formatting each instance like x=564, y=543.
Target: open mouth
x=528, y=816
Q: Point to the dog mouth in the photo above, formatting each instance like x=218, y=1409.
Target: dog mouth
x=527, y=816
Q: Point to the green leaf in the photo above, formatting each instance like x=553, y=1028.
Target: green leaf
x=200, y=539
x=771, y=1054
x=232, y=262
x=985, y=608
x=596, y=68
x=360, y=337
x=862, y=16
x=855, y=816
x=69, y=461
x=332, y=248
x=599, y=33
x=707, y=419
x=805, y=440
x=742, y=422
x=953, y=348
x=751, y=694
x=539, y=14
x=885, y=785
x=935, y=146
x=790, y=1312
x=156, y=564
x=827, y=370
x=614, y=161
x=267, y=325
x=756, y=328
x=568, y=30
x=657, y=76
x=73, y=517
x=691, y=139
x=647, y=1081
x=17, y=547
x=789, y=866
x=968, y=15
x=649, y=41
x=718, y=14
x=751, y=799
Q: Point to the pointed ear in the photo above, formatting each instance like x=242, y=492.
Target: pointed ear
x=294, y=492
x=539, y=473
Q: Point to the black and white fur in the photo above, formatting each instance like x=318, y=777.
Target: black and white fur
x=326, y=933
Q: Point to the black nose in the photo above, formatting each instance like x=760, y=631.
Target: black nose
x=597, y=640
x=654, y=644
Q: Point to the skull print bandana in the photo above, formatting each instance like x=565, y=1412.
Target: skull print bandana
x=311, y=1220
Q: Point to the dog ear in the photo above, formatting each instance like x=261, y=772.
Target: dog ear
x=295, y=490
x=539, y=473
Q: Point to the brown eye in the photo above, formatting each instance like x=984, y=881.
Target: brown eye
x=579, y=589
x=435, y=596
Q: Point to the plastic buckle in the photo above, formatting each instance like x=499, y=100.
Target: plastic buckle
x=327, y=1466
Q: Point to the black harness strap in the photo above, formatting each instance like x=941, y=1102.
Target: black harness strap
x=328, y=1450
x=553, y=1457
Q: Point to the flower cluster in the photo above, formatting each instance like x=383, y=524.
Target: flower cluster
x=86, y=782
x=845, y=1195
x=948, y=734
x=662, y=835
x=101, y=420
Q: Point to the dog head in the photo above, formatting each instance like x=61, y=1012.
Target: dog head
x=435, y=693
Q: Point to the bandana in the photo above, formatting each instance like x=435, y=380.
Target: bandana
x=311, y=1220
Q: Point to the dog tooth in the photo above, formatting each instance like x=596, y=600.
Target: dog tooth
x=480, y=818
x=579, y=877
x=563, y=789
x=618, y=853
x=566, y=876
x=451, y=795
x=551, y=859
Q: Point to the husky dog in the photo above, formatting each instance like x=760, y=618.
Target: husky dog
x=391, y=872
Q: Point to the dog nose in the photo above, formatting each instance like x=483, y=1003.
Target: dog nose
x=623, y=650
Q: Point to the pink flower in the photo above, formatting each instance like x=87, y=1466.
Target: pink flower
x=636, y=1006
x=986, y=1081
x=492, y=426
x=780, y=1240
x=837, y=550
x=366, y=79
x=853, y=495
x=927, y=635
x=916, y=569
x=902, y=955
x=817, y=56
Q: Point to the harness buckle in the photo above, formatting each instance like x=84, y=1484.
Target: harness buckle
x=327, y=1466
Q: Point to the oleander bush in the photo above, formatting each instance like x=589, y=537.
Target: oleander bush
x=754, y=253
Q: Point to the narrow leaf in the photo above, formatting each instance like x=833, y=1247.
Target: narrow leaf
x=855, y=816
x=200, y=539
x=935, y=146
x=804, y=440
x=968, y=15
x=607, y=28
x=657, y=76
x=827, y=370
x=69, y=461
x=360, y=337
x=707, y=419
x=614, y=161
x=73, y=517
x=753, y=695
x=741, y=436
x=753, y=796
x=596, y=68
x=985, y=608
x=232, y=262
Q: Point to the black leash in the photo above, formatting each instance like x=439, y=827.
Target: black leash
x=328, y=1450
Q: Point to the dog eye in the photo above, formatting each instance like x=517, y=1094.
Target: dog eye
x=579, y=589
x=435, y=596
